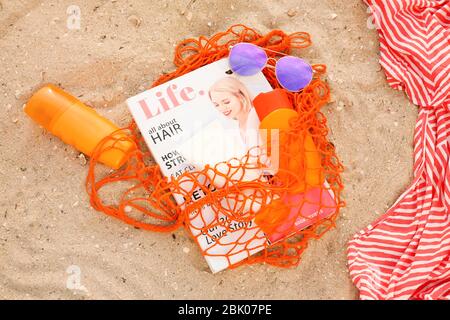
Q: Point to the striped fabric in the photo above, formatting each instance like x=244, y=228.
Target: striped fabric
x=405, y=254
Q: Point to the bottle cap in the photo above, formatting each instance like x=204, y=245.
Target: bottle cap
x=268, y=102
x=47, y=104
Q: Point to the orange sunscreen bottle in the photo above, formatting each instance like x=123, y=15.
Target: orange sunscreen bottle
x=77, y=124
x=275, y=112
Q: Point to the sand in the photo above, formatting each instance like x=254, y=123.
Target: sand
x=49, y=235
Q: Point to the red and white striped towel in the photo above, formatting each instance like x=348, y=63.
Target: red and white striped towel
x=405, y=254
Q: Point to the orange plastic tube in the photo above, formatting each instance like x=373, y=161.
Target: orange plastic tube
x=77, y=124
x=275, y=111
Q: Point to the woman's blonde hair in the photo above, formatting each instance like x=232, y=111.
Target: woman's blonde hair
x=234, y=86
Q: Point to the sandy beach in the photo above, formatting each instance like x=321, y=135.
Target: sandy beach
x=48, y=231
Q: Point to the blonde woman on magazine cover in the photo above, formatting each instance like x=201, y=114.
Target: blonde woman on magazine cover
x=231, y=98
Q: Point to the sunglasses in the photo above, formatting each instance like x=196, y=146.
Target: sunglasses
x=247, y=59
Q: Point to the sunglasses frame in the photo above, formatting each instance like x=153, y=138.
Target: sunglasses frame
x=276, y=62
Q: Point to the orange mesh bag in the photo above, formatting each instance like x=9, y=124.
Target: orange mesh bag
x=276, y=214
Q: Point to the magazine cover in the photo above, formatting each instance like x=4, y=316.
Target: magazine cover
x=206, y=117
x=198, y=119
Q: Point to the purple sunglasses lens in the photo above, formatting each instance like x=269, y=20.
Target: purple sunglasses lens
x=293, y=73
x=247, y=59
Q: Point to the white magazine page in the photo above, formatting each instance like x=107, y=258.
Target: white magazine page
x=204, y=117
